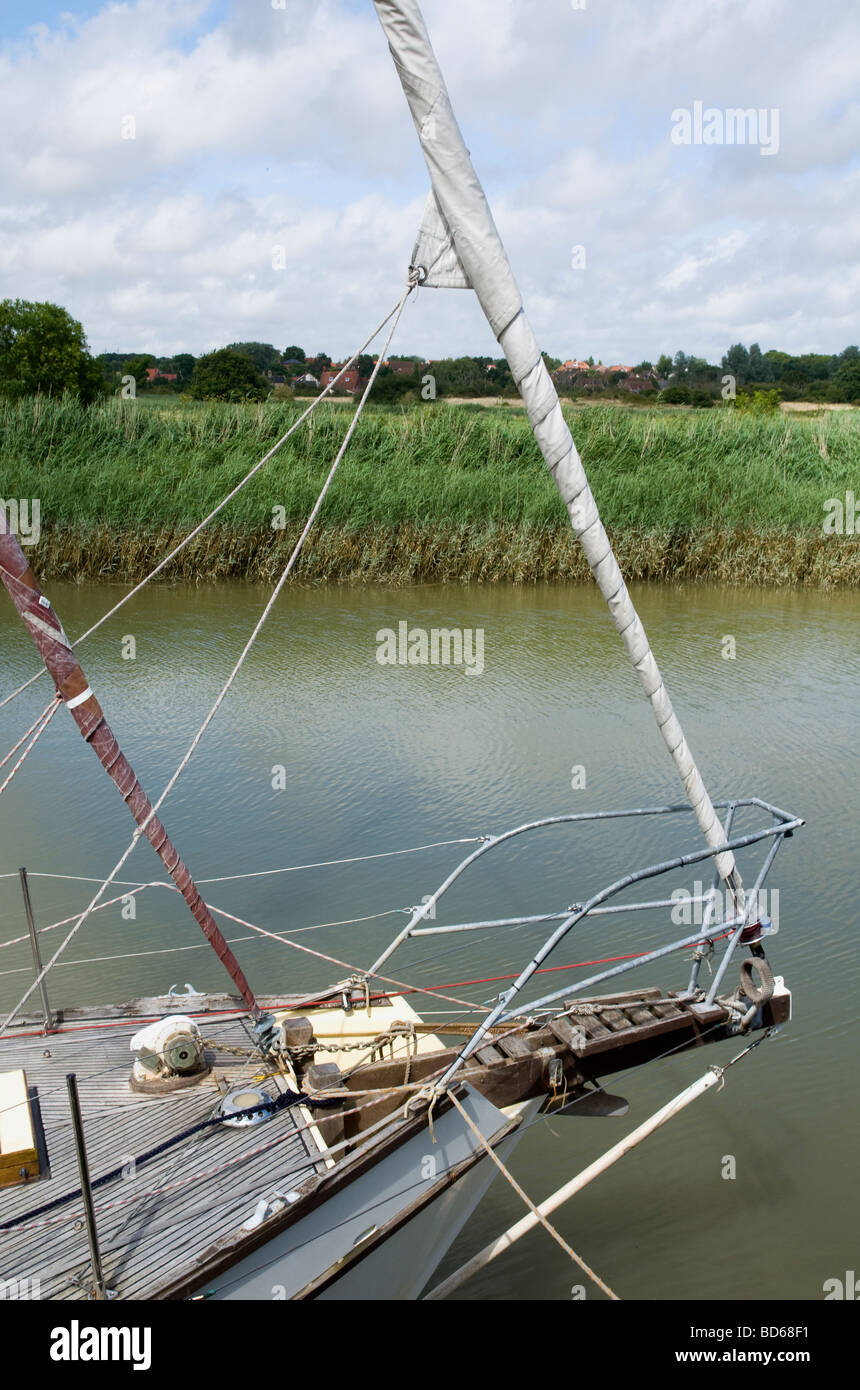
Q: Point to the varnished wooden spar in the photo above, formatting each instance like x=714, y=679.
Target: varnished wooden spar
x=71, y=683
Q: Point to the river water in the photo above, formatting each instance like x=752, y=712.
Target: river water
x=322, y=752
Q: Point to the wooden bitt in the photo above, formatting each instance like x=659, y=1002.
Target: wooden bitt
x=298, y=1032
x=327, y=1076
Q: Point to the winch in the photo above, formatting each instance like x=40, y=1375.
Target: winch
x=168, y=1054
x=237, y=1103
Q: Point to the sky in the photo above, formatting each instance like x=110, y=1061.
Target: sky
x=157, y=153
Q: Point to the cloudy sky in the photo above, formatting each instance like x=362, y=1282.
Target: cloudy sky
x=258, y=127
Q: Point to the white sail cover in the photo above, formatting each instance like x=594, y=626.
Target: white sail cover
x=434, y=255
x=479, y=259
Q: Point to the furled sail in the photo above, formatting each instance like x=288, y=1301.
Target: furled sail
x=56, y=651
x=482, y=262
x=434, y=255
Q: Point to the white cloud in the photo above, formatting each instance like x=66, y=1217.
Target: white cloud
x=288, y=127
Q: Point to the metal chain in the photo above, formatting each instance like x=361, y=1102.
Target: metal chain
x=233, y=1051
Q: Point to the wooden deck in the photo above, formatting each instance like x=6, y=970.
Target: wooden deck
x=160, y=1218
x=159, y=1225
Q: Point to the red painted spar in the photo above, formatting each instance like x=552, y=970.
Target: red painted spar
x=56, y=651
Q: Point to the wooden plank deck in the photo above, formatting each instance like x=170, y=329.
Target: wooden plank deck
x=176, y=1214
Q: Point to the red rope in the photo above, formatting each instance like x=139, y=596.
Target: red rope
x=457, y=984
x=548, y=969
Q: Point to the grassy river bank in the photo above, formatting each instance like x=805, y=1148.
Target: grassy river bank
x=433, y=493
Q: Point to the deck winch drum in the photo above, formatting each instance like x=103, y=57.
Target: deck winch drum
x=171, y=1047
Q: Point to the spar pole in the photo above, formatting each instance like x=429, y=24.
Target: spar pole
x=56, y=651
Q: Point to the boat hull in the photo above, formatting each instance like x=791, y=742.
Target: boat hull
x=385, y=1235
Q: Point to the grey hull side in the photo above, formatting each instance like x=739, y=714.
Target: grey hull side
x=383, y=1236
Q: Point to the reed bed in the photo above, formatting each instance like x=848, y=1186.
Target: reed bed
x=431, y=493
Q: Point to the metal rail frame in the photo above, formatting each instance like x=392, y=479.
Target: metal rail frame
x=784, y=823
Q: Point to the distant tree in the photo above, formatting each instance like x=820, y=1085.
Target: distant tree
x=664, y=365
x=675, y=395
x=846, y=382
x=365, y=363
x=737, y=362
x=184, y=364
x=318, y=364
x=227, y=375
x=136, y=366
x=552, y=363
x=799, y=373
x=293, y=354
x=464, y=376
x=700, y=370
x=761, y=368
x=389, y=389
x=502, y=379
x=815, y=365
x=265, y=355
x=42, y=348
x=681, y=367
x=111, y=368
x=643, y=368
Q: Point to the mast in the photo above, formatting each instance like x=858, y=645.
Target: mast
x=72, y=688
x=459, y=246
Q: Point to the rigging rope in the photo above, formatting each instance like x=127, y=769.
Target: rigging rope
x=140, y=829
x=40, y=726
x=254, y=873
x=535, y=1211
x=23, y=738
x=228, y=878
x=333, y=960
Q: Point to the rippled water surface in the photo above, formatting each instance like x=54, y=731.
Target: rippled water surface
x=379, y=758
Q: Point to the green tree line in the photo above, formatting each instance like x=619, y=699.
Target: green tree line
x=44, y=349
